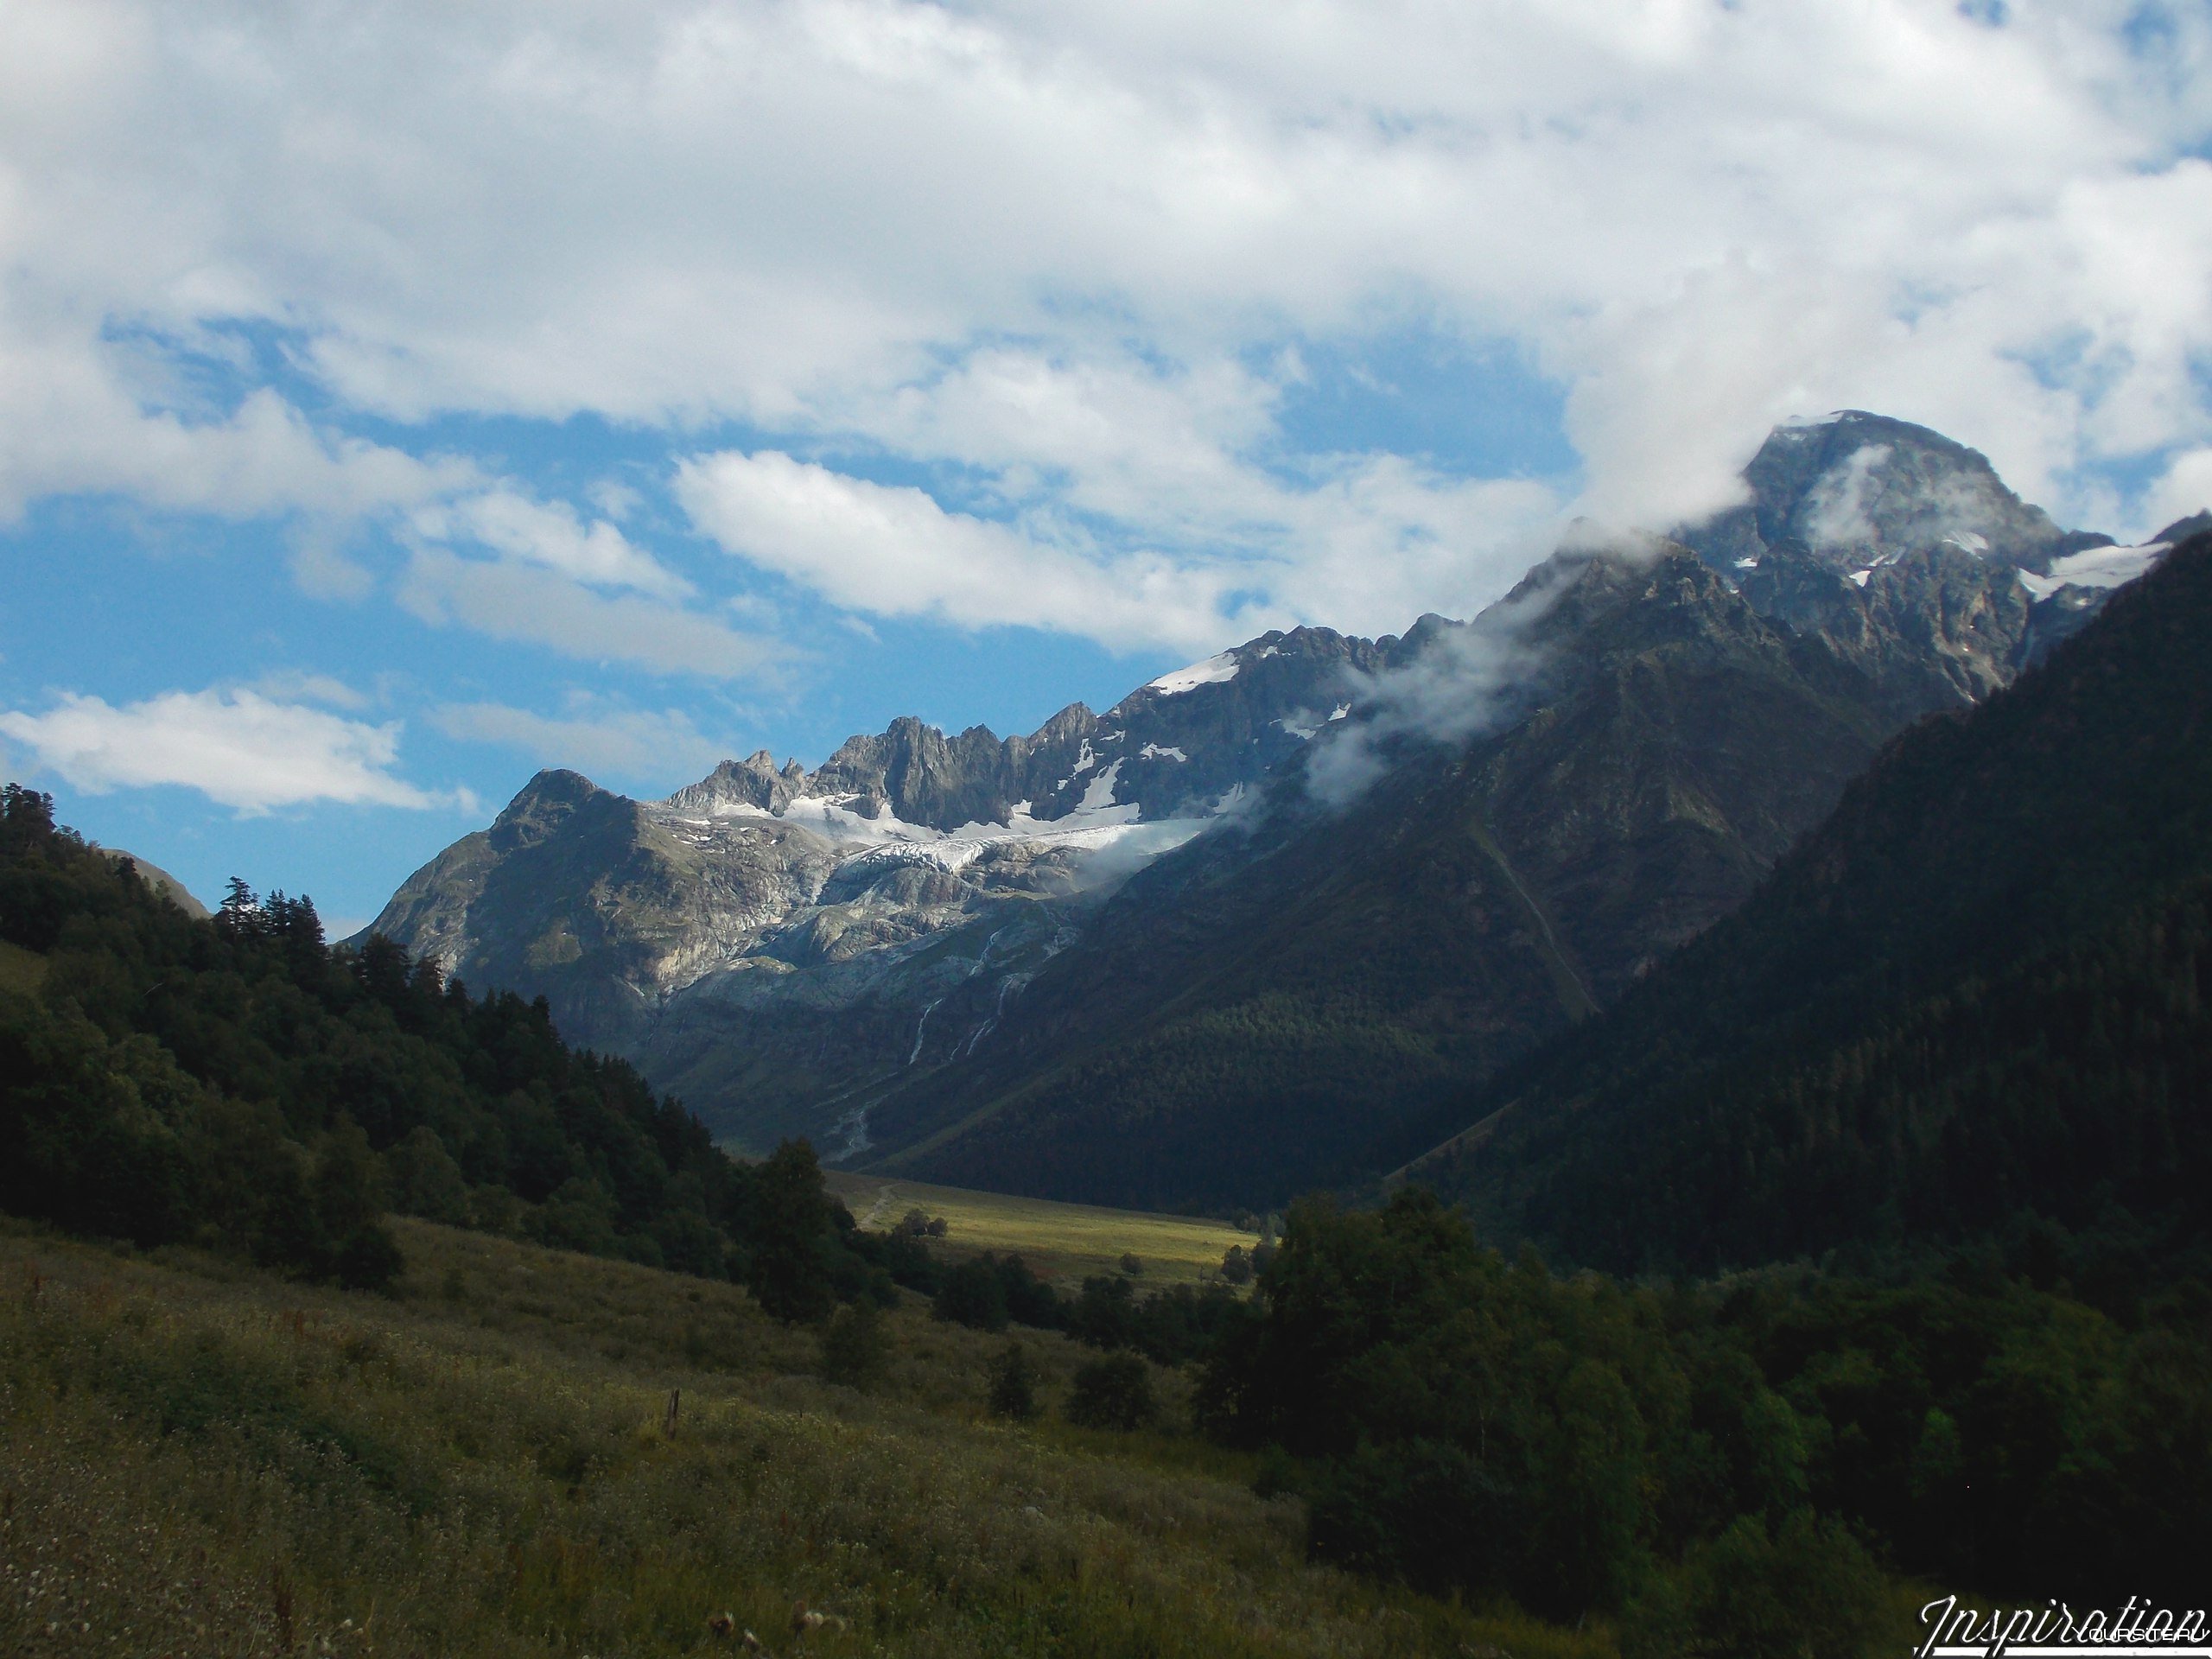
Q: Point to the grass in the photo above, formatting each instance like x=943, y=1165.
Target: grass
x=196, y=1458
x=1061, y=1243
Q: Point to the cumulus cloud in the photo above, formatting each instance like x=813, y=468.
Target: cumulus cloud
x=237, y=747
x=1050, y=243
x=2185, y=489
x=892, y=550
x=510, y=600
x=1170, y=460
x=551, y=534
x=612, y=743
x=300, y=685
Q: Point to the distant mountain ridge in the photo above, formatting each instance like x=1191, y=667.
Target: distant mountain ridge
x=1971, y=999
x=769, y=931
x=1137, y=957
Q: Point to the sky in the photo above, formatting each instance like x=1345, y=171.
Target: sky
x=397, y=398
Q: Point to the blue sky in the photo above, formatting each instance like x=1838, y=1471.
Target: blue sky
x=394, y=402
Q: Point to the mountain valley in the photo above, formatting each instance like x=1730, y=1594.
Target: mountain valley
x=1262, y=923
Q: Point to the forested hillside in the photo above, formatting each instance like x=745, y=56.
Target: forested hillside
x=1260, y=1013
x=1970, y=1004
x=237, y=1083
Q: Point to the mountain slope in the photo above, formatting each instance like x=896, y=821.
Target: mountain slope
x=1262, y=1012
x=1972, y=995
x=767, y=941
x=1366, y=872
x=1296, y=1006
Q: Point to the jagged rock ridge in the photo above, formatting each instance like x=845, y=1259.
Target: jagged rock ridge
x=1144, y=957
x=767, y=940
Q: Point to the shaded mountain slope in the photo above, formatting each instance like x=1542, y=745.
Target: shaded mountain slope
x=1972, y=995
x=1297, y=1006
x=925, y=944
x=1259, y=1013
x=768, y=942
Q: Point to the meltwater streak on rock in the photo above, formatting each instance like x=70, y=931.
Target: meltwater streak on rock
x=767, y=940
x=1257, y=1014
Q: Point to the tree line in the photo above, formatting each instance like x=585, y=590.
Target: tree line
x=1728, y=1465
x=240, y=1084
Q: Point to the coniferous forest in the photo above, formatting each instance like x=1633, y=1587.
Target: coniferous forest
x=1877, y=1212
x=238, y=1084
x=1739, y=1463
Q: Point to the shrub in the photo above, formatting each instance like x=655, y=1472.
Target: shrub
x=369, y=1259
x=1809, y=1590
x=972, y=1295
x=1114, y=1392
x=1013, y=1385
x=853, y=1348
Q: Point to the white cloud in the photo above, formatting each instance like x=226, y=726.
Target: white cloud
x=552, y=536
x=1046, y=241
x=2185, y=491
x=1462, y=684
x=237, y=747
x=299, y=685
x=659, y=745
x=892, y=550
x=514, y=601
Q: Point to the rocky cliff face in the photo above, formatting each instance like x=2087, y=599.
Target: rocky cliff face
x=1290, y=1007
x=769, y=941
x=1242, y=930
x=1908, y=554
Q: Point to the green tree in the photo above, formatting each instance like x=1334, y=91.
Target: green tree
x=853, y=1353
x=1014, y=1384
x=1114, y=1392
x=792, y=1275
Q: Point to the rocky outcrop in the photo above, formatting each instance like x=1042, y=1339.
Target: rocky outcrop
x=1242, y=930
x=772, y=944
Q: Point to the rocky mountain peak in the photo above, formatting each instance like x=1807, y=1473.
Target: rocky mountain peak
x=546, y=804
x=754, y=782
x=1857, y=489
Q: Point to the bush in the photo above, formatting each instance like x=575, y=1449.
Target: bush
x=1422, y=1511
x=1013, y=1385
x=1130, y=1264
x=972, y=1295
x=853, y=1349
x=1809, y=1590
x=1114, y=1392
x=369, y=1259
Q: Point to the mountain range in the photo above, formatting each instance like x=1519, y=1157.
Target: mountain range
x=1272, y=920
x=1971, y=996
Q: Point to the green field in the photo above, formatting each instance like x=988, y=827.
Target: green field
x=197, y=1459
x=1061, y=1243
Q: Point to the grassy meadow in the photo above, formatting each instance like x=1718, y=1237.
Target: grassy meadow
x=1062, y=1243
x=197, y=1459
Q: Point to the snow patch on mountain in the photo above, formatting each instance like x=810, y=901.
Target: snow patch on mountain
x=1212, y=672
x=2096, y=566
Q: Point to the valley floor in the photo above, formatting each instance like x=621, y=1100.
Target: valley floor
x=1062, y=1244
x=196, y=1458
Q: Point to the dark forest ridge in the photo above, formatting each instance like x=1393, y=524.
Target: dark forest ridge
x=1256, y=925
